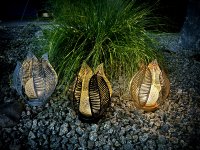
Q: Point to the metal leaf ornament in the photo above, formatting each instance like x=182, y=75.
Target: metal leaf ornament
x=35, y=79
x=92, y=93
x=149, y=87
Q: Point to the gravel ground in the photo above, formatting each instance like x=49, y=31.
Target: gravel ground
x=176, y=125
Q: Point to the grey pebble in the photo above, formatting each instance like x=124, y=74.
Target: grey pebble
x=80, y=131
x=34, y=124
x=143, y=138
x=128, y=146
x=93, y=136
x=151, y=144
x=31, y=135
x=63, y=129
x=90, y=144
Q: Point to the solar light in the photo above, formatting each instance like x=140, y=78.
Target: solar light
x=92, y=93
x=35, y=79
x=149, y=87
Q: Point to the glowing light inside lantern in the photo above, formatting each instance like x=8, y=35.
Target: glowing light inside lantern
x=149, y=87
x=84, y=106
x=92, y=93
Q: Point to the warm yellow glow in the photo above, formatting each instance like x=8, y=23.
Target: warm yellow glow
x=84, y=77
x=155, y=85
x=100, y=71
x=84, y=106
x=149, y=85
x=30, y=90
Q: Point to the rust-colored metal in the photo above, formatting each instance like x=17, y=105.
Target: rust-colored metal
x=149, y=87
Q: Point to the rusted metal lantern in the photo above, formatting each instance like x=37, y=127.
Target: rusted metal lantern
x=92, y=92
x=149, y=87
x=35, y=79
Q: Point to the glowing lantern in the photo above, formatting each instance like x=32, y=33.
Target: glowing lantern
x=92, y=93
x=149, y=87
x=35, y=80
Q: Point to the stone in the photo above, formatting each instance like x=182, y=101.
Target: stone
x=93, y=136
x=72, y=114
x=90, y=144
x=157, y=124
x=135, y=138
x=85, y=135
x=122, y=131
x=165, y=128
x=80, y=131
x=70, y=146
x=70, y=133
x=94, y=127
x=73, y=139
x=151, y=144
x=161, y=139
x=122, y=139
x=128, y=137
x=183, y=143
x=128, y=128
x=63, y=129
x=28, y=113
x=143, y=138
x=117, y=144
x=31, y=135
x=162, y=147
x=41, y=123
x=82, y=142
x=39, y=34
x=28, y=124
x=107, y=125
x=174, y=140
x=110, y=131
x=77, y=122
x=32, y=143
x=34, y=124
x=64, y=140
x=128, y=146
x=55, y=144
x=51, y=126
x=106, y=147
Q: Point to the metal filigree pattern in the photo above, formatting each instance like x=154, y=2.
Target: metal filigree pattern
x=92, y=93
x=35, y=79
x=149, y=87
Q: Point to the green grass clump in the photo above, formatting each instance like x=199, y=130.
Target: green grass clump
x=112, y=32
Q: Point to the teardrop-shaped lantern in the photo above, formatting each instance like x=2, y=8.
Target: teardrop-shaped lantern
x=149, y=87
x=92, y=93
x=35, y=80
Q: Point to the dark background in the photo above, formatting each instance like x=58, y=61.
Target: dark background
x=16, y=9
x=174, y=10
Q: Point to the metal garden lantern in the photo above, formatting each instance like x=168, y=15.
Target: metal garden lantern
x=35, y=79
x=149, y=87
x=92, y=93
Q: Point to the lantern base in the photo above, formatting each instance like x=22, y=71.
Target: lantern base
x=91, y=119
x=35, y=102
x=148, y=108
